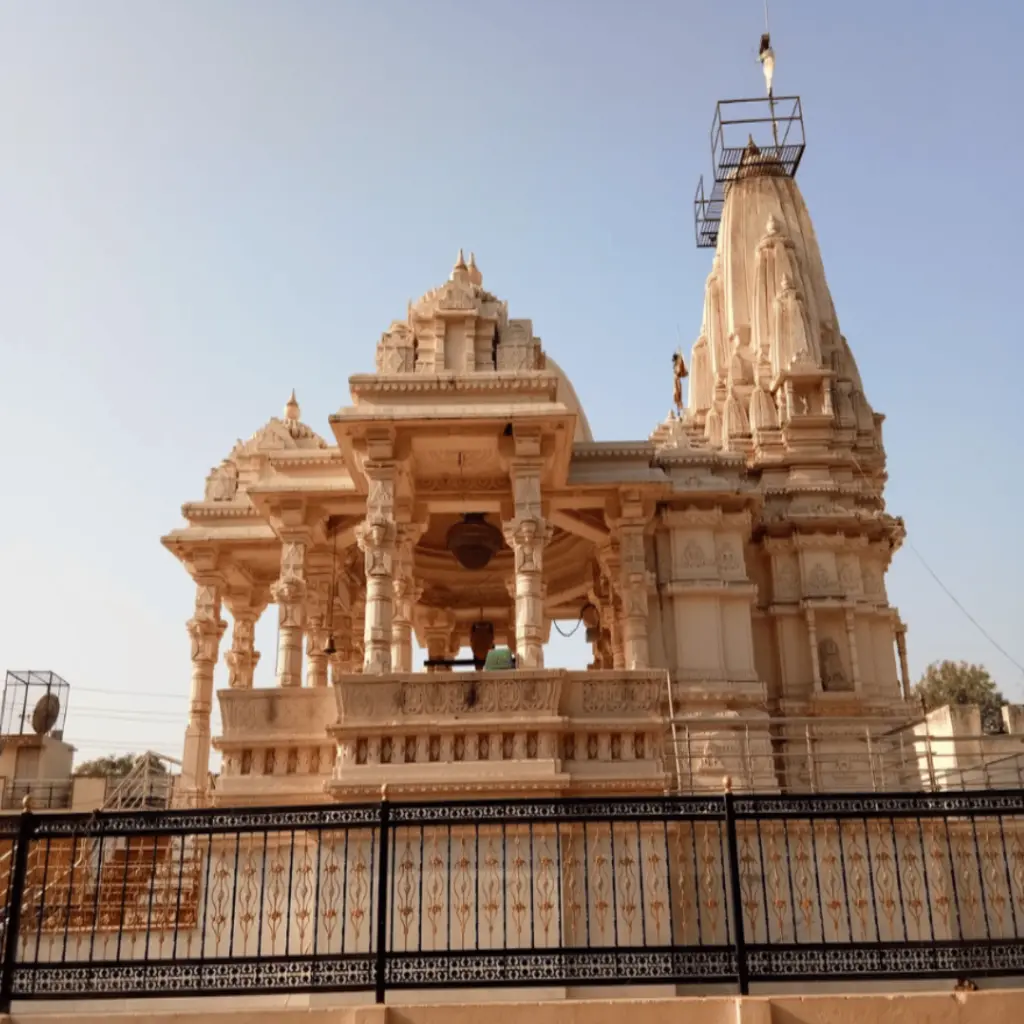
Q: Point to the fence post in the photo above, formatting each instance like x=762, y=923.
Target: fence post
x=732, y=846
x=382, y=893
x=15, y=894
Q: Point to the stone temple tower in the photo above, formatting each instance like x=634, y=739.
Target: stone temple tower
x=772, y=378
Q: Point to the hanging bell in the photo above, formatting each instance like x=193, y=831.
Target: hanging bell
x=329, y=648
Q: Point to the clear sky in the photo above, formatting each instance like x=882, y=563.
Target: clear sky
x=203, y=205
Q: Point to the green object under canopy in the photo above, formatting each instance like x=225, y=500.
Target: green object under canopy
x=499, y=659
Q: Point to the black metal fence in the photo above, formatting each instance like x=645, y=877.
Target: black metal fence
x=673, y=890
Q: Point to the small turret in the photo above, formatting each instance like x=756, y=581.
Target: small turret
x=460, y=272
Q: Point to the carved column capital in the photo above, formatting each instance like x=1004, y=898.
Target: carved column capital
x=206, y=627
x=527, y=537
x=376, y=539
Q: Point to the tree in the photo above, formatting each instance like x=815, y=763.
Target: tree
x=115, y=766
x=958, y=682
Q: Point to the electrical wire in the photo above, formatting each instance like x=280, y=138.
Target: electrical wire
x=977, y=625
x=931, y=572
x=125, y=693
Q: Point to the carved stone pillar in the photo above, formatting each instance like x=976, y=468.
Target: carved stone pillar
x=527, y=534
x=407, y=595
x=438, y=625
x=340, y=663
x=318, y=599
x=205, y=629
x=316, y=659
x=633, y=588
x=901, y=650
x=289, y=591
x=812, y=640
x=528, y=538
x=611, y=609
x=376, y=537
x=242, y=658
x=358, y=652
x=851, y=639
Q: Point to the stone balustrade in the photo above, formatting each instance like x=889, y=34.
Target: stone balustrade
x=275, y=745
x=533, y=731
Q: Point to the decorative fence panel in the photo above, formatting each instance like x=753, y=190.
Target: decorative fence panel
x=672, y=890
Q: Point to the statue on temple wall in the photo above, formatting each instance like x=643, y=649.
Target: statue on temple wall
x=678, y=373
x=833, y=678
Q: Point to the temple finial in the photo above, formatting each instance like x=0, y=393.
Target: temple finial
x=460, y=262
x=291, y=410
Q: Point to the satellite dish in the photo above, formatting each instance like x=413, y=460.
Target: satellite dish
x=45, y=714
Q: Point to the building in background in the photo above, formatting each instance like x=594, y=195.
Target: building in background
x=36, y=760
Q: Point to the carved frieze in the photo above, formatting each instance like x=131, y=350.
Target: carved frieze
x=693, y=518
x=434, y=696
x=301, y=713
x=786, y=577
x=622, y=696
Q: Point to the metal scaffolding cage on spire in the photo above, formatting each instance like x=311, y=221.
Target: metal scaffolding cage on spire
x=749, y=137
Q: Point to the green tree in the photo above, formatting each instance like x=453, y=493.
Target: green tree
x=114, y=766
x=958, y=682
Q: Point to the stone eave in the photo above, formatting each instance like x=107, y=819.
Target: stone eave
x=302, y=487
x=531, y=382
x=853, y=489
x=681, y=458
x=306, y=457
x=193, y=535
x=347, y=422
x=613, y=450
x=604, y=464
x=238, y=509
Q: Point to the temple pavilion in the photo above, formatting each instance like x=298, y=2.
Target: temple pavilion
x=729, y=569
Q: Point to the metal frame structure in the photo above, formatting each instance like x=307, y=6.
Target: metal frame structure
x=735, y=889
x=22, y=691
x=853, y=754
x=775, y=126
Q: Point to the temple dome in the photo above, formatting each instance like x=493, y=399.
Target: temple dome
x=568, y=397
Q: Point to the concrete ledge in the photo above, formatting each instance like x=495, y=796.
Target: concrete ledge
x=988, y=1007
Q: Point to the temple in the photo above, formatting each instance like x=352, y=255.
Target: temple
x=736, y=791
x=730, y=569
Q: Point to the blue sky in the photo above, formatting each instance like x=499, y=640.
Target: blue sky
x=205, y=205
